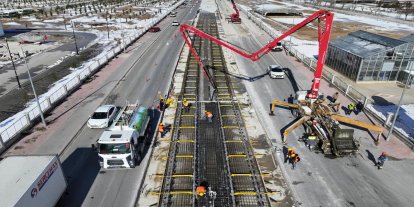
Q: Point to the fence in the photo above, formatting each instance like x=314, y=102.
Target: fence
x=341, y=85
x=11, y=128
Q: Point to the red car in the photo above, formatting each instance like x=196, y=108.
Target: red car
x=154, y=29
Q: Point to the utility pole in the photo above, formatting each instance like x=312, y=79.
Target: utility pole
x=76, y=44
x=14, y=66
x=34, y=91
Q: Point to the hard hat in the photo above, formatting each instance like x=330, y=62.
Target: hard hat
x=185, y=99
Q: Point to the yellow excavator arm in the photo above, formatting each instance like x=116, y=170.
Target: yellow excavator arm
x=281, y=103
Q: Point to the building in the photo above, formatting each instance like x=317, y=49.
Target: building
x=276, y=10
x=364, y=56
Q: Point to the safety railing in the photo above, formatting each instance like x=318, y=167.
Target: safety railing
x=341, y=85
x=23, y=120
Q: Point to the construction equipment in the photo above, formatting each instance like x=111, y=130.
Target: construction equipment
x=235, y=17
x=324, y=18
x=317, y=116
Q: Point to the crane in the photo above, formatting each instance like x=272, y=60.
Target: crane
x=325, y=19
x=235, y=17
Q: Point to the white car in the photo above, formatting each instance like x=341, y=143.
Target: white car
x=276, y=71
x=175, y=23
x=278, y=47
x=103, y=116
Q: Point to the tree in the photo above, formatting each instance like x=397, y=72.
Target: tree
x=406, y=8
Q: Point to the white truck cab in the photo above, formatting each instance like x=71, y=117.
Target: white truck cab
x=117, y=149
x=121, y=145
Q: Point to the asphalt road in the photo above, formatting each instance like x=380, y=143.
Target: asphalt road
x=148, y=70
x=318, y=180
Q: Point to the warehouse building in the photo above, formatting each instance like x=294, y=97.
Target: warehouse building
x=364, y=56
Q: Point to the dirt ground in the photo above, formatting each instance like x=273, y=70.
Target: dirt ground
x=15, y=100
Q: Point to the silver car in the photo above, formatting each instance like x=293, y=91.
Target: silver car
x=102, y=117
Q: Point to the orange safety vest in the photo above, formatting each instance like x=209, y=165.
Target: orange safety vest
x=161, y=128
x=201, y=190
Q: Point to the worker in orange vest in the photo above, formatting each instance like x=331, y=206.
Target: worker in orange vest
x=290, y=151
x=161, y=130
x=209, y=116
x=201, y=191
x=294, y=158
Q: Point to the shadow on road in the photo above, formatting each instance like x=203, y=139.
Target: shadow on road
x=292, y=79
x=81, y=169
x=371, y=157
x=239, y=76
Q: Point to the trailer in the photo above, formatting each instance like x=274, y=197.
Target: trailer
x=122, y=144
x=31, y=180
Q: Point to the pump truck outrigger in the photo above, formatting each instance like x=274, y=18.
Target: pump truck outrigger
x=121, y=145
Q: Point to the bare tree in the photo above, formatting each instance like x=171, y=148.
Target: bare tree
x=406, y=8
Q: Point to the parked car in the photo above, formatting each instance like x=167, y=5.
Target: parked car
x=175, y=23
x=276, y=71
x=154, y=29
x=173, y=14
x=103, y=116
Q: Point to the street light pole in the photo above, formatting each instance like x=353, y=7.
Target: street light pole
x=76, y=44
x=399, y=103
x=14, y=66
x=34, y=91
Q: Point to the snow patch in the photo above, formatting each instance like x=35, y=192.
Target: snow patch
x=208, y=6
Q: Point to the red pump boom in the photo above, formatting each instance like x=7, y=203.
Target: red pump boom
x=235, y=17
x=325, y=19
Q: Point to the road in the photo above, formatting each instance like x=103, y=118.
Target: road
x=39, y=62
x=148, y=70
x=318, y=180
x=136, y=75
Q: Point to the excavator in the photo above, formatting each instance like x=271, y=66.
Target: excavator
x=235, y=17
x=309, y=106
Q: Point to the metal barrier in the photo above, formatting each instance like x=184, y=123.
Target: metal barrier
x=13, y=126
x=341, y=85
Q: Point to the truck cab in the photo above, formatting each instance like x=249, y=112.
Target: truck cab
x=122, y=144
x=118, y=149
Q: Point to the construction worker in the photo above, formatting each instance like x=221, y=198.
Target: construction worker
x=351, y=108
x=161, y=130
x=358, y=108
x=201, y=190
x=294, y=158
x=311, y=141
x=381, y=160
x=290, y=151
x=169, y=102
x=186, y=105
x=161, y=104
x=335, y=97
x=209, y=116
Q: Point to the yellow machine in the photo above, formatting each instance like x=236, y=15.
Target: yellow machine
x=319, y=118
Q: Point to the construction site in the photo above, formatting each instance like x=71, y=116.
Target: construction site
x=211, y=106
x=218, y=157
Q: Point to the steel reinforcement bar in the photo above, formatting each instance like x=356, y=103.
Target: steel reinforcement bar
x=216, y=153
